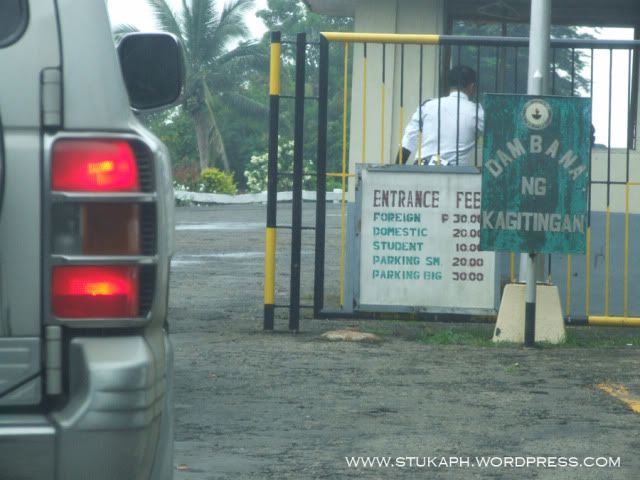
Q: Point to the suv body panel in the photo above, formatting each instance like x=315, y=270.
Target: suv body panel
x=115, y=417
x=20, y=253
x=90, y=65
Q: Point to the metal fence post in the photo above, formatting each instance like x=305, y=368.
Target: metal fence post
x=272, y=184
x=296, y=208
x=539, y=42
x=321, y=177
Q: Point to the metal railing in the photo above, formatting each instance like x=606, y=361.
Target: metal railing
x=381, y=70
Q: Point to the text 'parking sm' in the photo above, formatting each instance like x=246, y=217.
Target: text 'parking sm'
x=535, y=190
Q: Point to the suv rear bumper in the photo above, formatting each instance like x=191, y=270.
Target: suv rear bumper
x=117, y=424
x=27, y=446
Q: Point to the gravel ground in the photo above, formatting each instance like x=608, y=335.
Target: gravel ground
x=256, y=405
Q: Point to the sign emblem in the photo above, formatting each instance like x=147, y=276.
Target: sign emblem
x=537, y=114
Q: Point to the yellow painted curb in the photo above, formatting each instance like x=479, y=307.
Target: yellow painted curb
x=621, y=393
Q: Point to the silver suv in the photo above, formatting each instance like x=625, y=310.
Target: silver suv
x=86, y=234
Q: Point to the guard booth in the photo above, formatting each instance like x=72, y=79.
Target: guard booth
x=385, y=76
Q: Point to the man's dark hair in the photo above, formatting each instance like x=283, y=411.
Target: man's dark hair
x=461, y=76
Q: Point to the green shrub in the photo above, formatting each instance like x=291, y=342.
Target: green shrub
x=213, y=180
x=256, y=172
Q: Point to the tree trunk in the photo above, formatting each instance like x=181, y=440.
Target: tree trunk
x=218, y=144
x=201, y=121
x=209, y=138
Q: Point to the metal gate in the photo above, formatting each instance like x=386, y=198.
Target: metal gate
x=600, y=287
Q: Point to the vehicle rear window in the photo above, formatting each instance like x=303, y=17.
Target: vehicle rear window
x=13, y=20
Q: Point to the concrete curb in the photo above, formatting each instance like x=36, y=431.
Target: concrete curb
x=220, y=198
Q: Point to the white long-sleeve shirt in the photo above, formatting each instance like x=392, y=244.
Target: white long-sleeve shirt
x=452, y=126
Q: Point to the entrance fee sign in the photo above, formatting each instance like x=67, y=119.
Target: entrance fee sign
x=535, y=173
x=419, y=243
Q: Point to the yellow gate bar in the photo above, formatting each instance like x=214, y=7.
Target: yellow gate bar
x=381, y=38
x=587, y=286
x=607, y=320
x=568, y=296
x=401, y=158
x=626, y=252
x=274, y=69
x=382, y=123
x=512, y=267
x=607, y=257
x=343, y=199
x=364, y=104
x=270, y=266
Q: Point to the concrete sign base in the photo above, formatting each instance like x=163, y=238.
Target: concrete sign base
x=549, y=320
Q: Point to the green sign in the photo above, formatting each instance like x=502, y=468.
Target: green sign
x=535, y=175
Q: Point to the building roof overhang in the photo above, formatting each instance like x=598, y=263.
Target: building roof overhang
x=623, y=13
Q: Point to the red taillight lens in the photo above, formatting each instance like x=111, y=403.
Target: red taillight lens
x=94, y=166
x=95, y=292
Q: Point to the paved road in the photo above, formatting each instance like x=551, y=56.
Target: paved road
x=254, y=405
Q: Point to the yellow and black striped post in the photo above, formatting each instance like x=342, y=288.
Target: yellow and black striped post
x=272, y=184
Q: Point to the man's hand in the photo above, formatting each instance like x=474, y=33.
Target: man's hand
x=402, y=156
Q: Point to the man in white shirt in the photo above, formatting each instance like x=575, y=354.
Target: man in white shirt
x=448, y=136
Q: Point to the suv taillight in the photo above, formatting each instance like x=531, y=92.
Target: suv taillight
x=99, y=215
x=94, y=166
x=95, y=291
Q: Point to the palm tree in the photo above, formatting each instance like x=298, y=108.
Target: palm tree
x=216, y=57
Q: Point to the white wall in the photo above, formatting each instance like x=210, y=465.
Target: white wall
x=374, y=132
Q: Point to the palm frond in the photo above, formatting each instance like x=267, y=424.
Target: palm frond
x=196, y=16
x=227, y=79
x=165, y=17
x=244, y=104
x=233, y=14
x=185, y=17
x=239, y=64
x=121, y=30
x=230, y=26
x=245, y=49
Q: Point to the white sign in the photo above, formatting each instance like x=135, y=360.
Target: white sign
x=419, y=247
